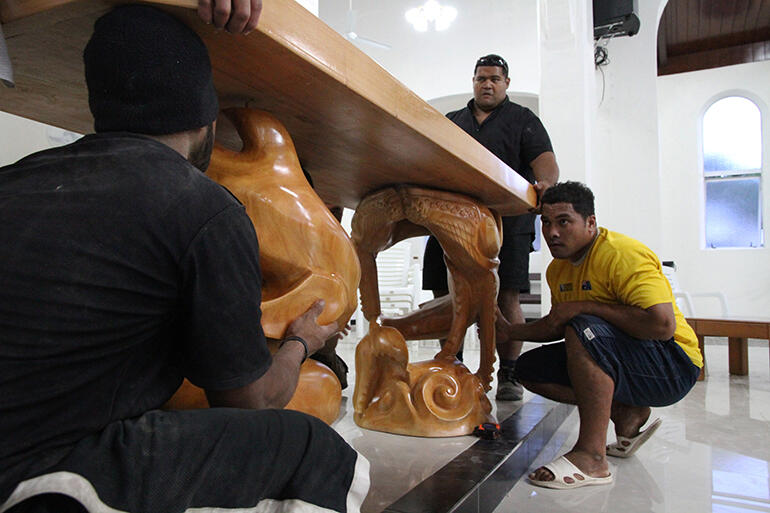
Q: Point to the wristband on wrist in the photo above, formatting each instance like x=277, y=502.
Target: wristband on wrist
x=298, y=339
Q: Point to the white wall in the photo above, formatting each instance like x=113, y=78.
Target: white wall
x=20, y=137
x=436, y=64
x=742, y=274
x=626, y=172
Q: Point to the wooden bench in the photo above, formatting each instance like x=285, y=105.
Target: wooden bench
x=737, y=330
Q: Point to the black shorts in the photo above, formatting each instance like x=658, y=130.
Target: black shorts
x=217, y=458
x=645, y=372
x=513, y=270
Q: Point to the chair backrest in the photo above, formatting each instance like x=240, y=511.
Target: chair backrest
x=398, y=277
x=669, y=271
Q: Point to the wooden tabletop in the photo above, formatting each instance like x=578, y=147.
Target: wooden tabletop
x=355, y=127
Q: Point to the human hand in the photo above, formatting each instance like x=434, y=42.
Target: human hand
x=540, y=188
x=562, y=313
x=306, y=327
x=237, y=16
x=502, y=327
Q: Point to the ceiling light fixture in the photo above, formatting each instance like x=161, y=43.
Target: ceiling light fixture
x=441, y=16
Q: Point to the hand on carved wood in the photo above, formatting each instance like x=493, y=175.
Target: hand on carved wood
x=304, y=252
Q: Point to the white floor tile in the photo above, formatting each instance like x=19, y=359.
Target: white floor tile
x=712, y=453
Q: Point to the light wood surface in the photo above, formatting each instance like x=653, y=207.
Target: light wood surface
x=432, y=398
x=304, y=253
x=738, y=331
x=318, y=393
x=355, y=127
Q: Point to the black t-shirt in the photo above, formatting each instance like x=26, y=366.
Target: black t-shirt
x=122, y=269
x=517, y=137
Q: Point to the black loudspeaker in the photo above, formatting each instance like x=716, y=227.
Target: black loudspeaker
x=615, y=18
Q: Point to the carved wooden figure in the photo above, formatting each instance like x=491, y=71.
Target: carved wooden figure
x=438, y=397
x=304, y=252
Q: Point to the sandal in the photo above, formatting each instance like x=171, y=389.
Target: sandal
x=626, y=447
x=562, y=468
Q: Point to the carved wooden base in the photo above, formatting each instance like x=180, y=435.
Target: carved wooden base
x=318, y=393
x=439, y=397
x=304, y=252
x=434, y=398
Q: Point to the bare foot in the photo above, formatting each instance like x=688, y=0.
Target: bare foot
x=594, y=466
x=629, y=420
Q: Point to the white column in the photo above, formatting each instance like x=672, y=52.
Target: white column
x=566, y=94
x=627, y=175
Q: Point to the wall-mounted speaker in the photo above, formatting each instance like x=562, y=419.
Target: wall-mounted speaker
x=615, y=18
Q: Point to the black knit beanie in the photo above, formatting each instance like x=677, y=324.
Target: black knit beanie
x=148, y=73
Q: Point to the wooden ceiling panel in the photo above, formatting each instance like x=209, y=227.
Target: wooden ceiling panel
x=701, y=34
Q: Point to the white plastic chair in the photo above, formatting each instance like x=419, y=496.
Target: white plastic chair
x=398, y=278
x=684, y=299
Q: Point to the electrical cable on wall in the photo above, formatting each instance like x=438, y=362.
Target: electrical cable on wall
x=602, y=58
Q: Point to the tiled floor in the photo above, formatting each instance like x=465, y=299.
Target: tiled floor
x=399, y=463
x=712, y=452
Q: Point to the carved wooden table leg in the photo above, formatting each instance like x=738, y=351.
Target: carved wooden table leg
x=438, y=397
x=304, y=252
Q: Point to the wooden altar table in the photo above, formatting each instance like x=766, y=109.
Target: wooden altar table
x=355, y=127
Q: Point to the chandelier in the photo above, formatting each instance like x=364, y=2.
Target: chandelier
x=441, y=16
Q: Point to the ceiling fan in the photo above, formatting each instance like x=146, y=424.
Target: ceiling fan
x=352, y=35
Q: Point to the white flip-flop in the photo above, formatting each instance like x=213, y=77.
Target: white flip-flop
x=562, y=468
x=626, y=447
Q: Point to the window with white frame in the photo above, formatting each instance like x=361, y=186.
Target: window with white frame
x=732, y=172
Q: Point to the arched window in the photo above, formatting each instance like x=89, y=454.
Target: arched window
x=732, y=172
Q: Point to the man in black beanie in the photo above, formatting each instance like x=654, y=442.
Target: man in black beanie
x=123, y=269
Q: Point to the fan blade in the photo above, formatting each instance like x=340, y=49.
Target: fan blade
x=384, y=46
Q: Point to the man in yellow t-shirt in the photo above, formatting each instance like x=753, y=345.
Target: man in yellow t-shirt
x=626, y=345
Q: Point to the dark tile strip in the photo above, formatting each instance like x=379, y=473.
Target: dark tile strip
x=478, y=478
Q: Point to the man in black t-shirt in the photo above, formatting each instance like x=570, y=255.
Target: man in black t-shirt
x=517, y=137
x=123, y=269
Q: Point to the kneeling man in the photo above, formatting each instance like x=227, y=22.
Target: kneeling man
x=626, y=345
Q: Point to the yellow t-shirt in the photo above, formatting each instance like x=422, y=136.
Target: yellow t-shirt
x=620, y=270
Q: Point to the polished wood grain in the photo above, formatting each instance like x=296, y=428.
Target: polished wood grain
x=318, y=393
x=356, y=128
x=433, y=398
x=304, y=252
x=438, y=397
x=737, y=330
x=702, y=34
x=470, y=235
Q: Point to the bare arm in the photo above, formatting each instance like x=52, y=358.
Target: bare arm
x=237, y=16
x=276, y=387
x=546, y=172
x=657, y=322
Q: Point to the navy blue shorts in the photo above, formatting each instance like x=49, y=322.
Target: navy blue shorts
x=645, y=372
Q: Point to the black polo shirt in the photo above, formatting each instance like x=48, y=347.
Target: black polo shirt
x=122, y=269
x=516, y=136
